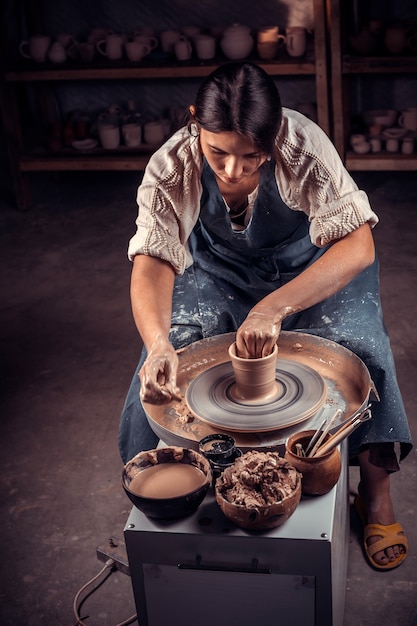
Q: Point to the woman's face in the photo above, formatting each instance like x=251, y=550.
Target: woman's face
x=231, y=156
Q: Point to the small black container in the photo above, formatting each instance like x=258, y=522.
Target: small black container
x=220, y=450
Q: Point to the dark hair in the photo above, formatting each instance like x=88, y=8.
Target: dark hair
x=240, y=97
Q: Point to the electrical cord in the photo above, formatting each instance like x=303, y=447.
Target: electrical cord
x=109, y=565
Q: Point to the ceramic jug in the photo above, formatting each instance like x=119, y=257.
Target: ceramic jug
x=237, y=42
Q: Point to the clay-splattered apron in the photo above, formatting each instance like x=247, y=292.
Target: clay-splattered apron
x=233, y=270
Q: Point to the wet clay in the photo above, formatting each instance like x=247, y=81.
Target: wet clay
x=258, y=479
x=167, y=480
x=255, y=379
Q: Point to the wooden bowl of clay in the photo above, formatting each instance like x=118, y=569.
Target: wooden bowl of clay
x=261, y=490
x=167, y=483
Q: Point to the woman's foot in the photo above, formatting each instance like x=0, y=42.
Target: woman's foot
x=376, y=509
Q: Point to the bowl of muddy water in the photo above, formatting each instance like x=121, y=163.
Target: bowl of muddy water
x=261, y=490
x=167, y=483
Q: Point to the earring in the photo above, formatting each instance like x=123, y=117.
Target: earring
x=268, y=158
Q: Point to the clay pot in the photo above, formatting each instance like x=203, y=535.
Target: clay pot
x=320, y=474
x=255, y=379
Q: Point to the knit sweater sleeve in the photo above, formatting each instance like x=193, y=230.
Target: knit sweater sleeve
x=312, y=178
x=168, y=201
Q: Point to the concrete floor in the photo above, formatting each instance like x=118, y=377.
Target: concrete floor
x=69, y=348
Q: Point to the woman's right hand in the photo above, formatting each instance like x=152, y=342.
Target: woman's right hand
x=158, y=375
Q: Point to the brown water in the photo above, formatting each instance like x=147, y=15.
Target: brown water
x=167, y=480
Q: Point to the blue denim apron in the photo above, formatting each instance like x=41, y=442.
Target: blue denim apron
x=233, y=270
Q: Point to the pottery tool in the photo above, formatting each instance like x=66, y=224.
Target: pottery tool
x=299, y=450
x=323, y=434
x=315, y=437
x=343, y=432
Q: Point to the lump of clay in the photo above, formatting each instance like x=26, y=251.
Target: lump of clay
x=258, y=479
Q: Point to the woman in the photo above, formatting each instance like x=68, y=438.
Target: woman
x=249, y=222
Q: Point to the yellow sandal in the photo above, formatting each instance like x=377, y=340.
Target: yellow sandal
x=391, y=535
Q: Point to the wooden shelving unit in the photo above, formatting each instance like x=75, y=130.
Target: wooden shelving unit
x=37, y=158
x=344, y=67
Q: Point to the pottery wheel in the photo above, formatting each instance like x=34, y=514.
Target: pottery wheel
x=301, y=391
x=346, y=379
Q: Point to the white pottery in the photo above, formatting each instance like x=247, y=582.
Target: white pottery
x=362, y=147
x=384, y=117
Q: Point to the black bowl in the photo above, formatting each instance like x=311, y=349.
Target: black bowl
x=167, y=507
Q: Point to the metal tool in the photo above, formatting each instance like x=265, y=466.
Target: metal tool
x=344, y=431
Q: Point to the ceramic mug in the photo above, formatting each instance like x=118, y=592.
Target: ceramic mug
x=205, y=46
x=408, y=118
x=146, y=31
x=109, y=135
x=132, y=134
x=97, y=34
x=136, y=50
x=269, y=38
x=85, y=51
x=111, y=46
x=407, y=146
x=65, y=39
x=269, y=33
x=154, y=132
x=149, y=40
x=191, y=31
x=296, y=40
x=357, y=138
x=375, y=143
x=35, y=48
x=168, y=39
x=267, y=50
x=395, y=39
x=392, y=145
x=183, y=49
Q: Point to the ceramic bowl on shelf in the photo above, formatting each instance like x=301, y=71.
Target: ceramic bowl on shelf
x=85, y=144
x=382, y=117
x=361, y=148
x=394, y=133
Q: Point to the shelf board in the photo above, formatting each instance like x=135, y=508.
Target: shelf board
x=118, y=71
x=83, y=161
x=382, y=161
x=379, y=64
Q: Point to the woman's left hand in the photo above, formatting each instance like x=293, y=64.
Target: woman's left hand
x=257, y=336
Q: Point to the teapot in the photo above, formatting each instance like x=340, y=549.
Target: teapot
x=237, y=42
